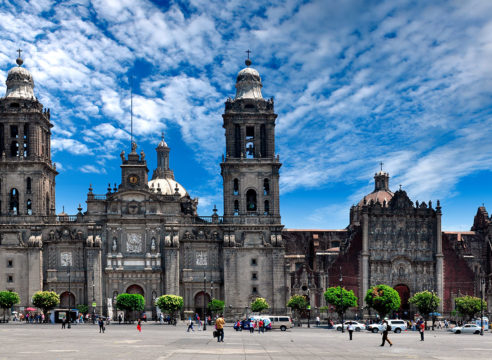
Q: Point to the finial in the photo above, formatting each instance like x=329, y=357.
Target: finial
x=162, y=136
x=248, y=61
x=381, y=163
x=19, y=60
x=400, y=187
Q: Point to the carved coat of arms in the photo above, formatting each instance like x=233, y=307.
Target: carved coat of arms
x=134, y=243
x=66, y=259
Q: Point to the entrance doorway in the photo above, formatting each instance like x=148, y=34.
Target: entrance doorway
x=404, y=292
x=199, y=301
x=135, y=289
x=67, y=299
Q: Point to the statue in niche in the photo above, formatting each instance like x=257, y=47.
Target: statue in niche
x=152, y=245
x=115, y=245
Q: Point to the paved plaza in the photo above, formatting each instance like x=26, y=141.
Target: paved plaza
x=161, y=342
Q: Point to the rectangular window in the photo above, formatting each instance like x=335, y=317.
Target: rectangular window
x=250, y=132
x=255, y=290
x=254, y=276
x=253, y=262
x=14, y=131
x=10, y=278
x=10, y=263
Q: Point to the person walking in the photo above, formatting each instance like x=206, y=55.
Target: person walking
x=260, y=326
x=101, y=324
x=385, y=334
x=422, y=329
x=64, y=322
x=139, y=325
x=219, y=325
x=190, y=326
x=350, y=329
x=317, y=321
x=120, y=319
x=251, y=326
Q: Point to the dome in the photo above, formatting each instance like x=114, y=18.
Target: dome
x=381, y=195
x=167, y=186
x=248, y=84
x=20, y=84
x=163, y=143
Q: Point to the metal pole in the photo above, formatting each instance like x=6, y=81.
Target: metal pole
x=93, y=300
x=341, y=295
x=309, y=308
x=211, y=294
x=434, y=311
x=482, y=282
x=69, y=298
x=204, y=299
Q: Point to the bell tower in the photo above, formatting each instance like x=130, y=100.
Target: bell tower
x=27, y=175
x=250, y=170
x=254, y=252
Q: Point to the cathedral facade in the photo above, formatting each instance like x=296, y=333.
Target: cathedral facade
x=144, y=235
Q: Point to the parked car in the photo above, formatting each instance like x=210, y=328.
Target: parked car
x=467, y=329
x=357, y=325
x=395, y=325
x=281, y=322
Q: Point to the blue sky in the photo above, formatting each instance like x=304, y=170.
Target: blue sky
x=355, y=83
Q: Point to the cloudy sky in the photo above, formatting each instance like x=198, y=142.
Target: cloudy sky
x=407, y=83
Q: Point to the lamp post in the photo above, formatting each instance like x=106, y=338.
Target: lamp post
x=93, y=299
x=433, y=312
x=69, y=297
x=211, y=295
x=309, y=307
x=482, y=283
x=341, y=295
x=204, y=299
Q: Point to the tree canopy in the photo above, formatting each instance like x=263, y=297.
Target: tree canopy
x=426, y=303
x=469, y=305
x=383, y=299
x=340, y=298
x=216, y=306
x=84, y=309
x=130, y=302
x=169, y=303
x=7, y=300
x=45, y=300
x=259, y=304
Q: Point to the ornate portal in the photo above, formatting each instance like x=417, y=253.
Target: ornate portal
x=201, y=258
x=134, y=243
x=66, y=259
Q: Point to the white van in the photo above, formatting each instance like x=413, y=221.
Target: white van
x=281, y=322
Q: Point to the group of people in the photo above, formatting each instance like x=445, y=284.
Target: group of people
x=30, y=318
x=251, y=324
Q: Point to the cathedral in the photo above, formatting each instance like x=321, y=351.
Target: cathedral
x=144, y=235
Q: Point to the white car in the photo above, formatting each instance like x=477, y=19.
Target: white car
x=395, y=325
x=467, y=329
x=357, y=326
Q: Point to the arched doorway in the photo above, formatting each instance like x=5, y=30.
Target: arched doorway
x=199, y=301
x=404, y=293
x=135, y=289
x=67, y=299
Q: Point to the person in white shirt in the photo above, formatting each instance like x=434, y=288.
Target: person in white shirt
x=350, y=329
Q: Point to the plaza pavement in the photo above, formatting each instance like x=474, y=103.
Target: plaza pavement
x=162, y=342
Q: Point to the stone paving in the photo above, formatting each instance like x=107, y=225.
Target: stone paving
x=168, y=342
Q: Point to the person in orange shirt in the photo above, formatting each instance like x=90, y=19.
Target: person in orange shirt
x=219, y=325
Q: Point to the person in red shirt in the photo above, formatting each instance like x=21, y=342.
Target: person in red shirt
x=260, y=326
x=422, y=329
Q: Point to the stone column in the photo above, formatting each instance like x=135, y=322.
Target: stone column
x=35, y=266
x=171, y=271
x=439, y=258
x=365, y=256
x=278, y=281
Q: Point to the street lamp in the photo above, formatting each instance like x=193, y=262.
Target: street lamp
x=211, y=293
x=93, y=300
x=434, y=311
x=204, y=299
x=482, y=283
x=341, y=295
x=69, y=297
x=309, y=307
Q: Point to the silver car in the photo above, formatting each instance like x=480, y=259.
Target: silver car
x=357, y=326
x=467, y=329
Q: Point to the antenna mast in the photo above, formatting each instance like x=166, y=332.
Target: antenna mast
x=131, y=112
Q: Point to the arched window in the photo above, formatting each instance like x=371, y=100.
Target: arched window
x=267, y=207
x=236, y=187
x=29, y=207
x=251, y=200
x=250, y=150
x=14, y=202
x=26, y=140
x=14, y=148
x=236, y=207
x=266, y=187
x=28, y=185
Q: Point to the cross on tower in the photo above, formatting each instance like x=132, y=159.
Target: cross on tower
x=400, y=186
x=381, y=163
x=248, y=52
x=19, y=51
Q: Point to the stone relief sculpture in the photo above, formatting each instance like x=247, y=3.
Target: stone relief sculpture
x=115, y=245
x=66, y=259
x=201, y=258
x=134, y=243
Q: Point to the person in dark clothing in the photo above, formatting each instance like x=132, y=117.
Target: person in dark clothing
x=101, y=324
x=64, y=322
x=421, y=329
x=385, y=333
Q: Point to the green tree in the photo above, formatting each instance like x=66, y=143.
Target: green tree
x=170, y=304
x=341, y=299
x=45, y=300
x=426, y=302
x=259, y=304
x=130, y=302
x=7, y=300
x=297, y=303
x=469, y=305
x=383, y=298
x=216, y=306
x=84, y=309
